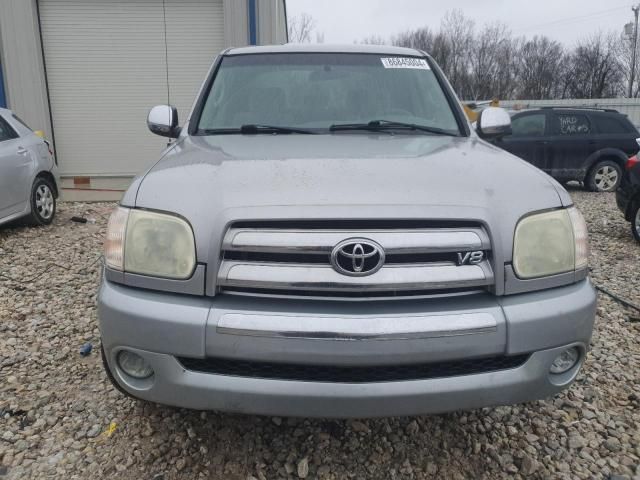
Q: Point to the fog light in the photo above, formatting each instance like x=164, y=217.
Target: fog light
x=134, y=365
x=565, y=361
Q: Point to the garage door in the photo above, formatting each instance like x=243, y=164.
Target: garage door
x=109, y=61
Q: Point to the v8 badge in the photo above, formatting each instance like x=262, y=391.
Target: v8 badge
x=470, y=258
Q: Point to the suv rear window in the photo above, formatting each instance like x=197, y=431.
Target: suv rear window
x=610, y=124
x=572, y=124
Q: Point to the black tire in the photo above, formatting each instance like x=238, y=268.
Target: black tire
x=635, y=220
x=43, y=202
x=112, y=379
x=604, y=176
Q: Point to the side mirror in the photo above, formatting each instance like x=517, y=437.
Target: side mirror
x=163, y=120
x=494, y=122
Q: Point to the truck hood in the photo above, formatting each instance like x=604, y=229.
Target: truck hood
x=215, y=180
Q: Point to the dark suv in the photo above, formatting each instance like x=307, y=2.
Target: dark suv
x=588, y=145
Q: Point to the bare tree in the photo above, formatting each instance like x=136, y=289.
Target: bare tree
x=540, y=69
x=458, y=35
x=373, y=40
x=492, y=63
x=426, y=40
x=492, y=72
x=594, y=69
x=300, y=28
x=420, y=39
x=450, y=46
x=624, y=46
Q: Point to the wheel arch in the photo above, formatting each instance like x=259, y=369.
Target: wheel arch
x=49, y=177
x=613, y=154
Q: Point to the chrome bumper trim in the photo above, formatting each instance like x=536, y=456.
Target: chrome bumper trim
x=356, y=328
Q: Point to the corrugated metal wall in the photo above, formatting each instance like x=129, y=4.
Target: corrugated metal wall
x=271, y=22
x=236, y=31
x=109, y=61
x=23, y=66
x=628, y=106
x=24, y=69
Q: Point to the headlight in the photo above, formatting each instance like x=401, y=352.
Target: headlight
x=550, y=243
x=150, y=243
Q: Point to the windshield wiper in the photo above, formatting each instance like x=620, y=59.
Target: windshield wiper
x=378, y=125
x=251, y=129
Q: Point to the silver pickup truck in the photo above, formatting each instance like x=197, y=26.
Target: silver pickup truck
x=328, y=236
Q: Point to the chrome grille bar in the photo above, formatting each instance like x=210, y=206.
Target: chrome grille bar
x=295, y=259
x=403, y=277
x=287, y=241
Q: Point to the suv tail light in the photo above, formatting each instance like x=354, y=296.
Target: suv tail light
x=632, y=162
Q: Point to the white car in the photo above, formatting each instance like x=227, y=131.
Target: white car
x=28, y=173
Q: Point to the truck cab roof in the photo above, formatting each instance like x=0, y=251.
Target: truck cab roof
x=323, y=48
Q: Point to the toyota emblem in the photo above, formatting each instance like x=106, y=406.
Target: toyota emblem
x=357, y=257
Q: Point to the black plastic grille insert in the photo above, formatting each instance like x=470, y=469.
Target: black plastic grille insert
x=358, y=374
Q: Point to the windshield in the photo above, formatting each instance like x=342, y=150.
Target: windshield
x=315, y=91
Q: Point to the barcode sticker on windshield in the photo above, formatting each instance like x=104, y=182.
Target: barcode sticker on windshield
x=405, y=62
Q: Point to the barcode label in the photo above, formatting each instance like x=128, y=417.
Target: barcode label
x=405, y=62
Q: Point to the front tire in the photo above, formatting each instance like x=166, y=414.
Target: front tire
x=605, y=176
x=43, y=202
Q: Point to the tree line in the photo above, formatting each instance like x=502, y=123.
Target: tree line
x=491, y=62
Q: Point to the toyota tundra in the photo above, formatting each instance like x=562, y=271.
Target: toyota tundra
x=327, y=236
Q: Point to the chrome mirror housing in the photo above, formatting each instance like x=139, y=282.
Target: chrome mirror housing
x=494, y=122
x=163, y=120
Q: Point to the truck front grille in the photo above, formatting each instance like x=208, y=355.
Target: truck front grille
x=356, y=374
x=288, y=259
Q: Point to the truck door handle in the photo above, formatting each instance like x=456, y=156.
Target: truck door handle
x=22, y=151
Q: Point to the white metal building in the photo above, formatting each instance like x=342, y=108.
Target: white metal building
x=87, y=71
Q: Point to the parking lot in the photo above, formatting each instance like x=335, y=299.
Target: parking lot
x=59, y=415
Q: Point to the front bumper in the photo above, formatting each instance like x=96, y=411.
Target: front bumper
x=161, y=327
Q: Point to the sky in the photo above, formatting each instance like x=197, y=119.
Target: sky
x=346, y=21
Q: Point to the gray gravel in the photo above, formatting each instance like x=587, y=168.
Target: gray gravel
x=55, y=406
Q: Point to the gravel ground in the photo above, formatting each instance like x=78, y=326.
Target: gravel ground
x=56, y=407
